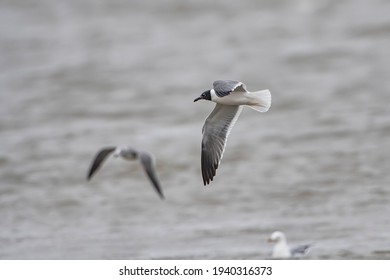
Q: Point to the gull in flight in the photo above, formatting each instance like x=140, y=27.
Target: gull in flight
x=147, y=160
x=282, y=250
x=229, y=96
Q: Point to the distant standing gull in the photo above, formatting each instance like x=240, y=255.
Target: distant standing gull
x=282, y=250
x=229, y=96
x=147, y=160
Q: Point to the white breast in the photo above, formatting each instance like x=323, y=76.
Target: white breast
x=281, y=250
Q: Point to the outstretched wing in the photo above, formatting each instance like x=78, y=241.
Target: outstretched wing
x=225, y=87
x=147, y=162
x=99, y=158
x=215, y=133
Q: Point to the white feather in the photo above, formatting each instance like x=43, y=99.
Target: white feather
x=262, y=99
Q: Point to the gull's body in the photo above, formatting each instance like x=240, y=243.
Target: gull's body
x=147, y=160
x=229, y=96
x=281, y=249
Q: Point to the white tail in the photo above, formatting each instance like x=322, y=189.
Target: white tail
x=263, y=100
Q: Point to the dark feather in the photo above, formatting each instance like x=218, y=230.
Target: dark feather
x=223, y=88
x=99, y=159
x=149, y=167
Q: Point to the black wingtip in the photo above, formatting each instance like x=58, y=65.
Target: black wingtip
x=90, y=174
x=207, y=180
x=208, y=174
x=160, y=194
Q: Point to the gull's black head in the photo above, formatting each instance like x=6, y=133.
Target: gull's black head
x=205, y=95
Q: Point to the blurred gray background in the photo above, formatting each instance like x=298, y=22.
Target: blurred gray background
x=79, y=75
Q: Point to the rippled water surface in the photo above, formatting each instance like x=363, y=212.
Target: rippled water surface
x=79, y=75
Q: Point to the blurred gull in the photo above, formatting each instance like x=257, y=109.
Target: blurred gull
x=229, y=96
x=147, y=160
x=282, y=250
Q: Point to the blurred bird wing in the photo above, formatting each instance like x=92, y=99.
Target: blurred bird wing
x=148, y=163
x=99, y=159
x=300, y=249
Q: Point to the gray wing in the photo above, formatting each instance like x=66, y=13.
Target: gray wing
x=147, y=162
x=223, y=88
x=99, y=158
x=215, y=133
x=299, y=250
